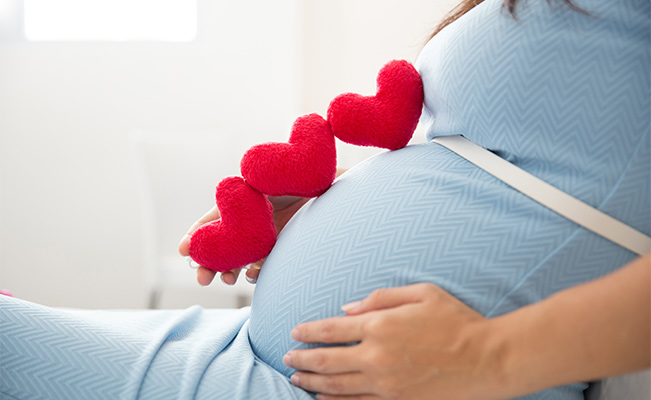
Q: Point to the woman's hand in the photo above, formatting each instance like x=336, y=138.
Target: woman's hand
x=414, y=342
x=420, y=342
x=284, y=208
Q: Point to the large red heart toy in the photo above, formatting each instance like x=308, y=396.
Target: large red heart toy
x=244, y=233
x=386, y=120
x=305, y=166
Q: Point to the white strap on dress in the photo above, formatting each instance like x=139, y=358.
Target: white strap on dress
x=556, y=200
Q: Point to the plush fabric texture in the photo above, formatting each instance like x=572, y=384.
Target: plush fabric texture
x=305, y=166
x=563, y=95
x=244, y=234
x=387, y=119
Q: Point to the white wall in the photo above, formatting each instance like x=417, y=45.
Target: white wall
x=347, y=42
x=70, y=211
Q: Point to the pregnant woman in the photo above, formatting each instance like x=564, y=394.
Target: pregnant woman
x=562, y=93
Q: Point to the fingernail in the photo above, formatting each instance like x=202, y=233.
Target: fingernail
x=221, y=276
x=184, y=238
x=296, y=380
x=351, y=306
x=250, y=280
x=287, y=360
x=296, y=334
x=192, y=264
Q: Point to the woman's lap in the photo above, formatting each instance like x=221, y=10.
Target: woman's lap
x=175, y=354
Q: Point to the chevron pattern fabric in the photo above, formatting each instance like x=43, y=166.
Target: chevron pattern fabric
x=47, y=353
x=563, y=95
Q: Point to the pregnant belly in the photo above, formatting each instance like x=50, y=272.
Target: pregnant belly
x=419, y=214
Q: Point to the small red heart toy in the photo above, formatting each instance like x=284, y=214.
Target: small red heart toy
x=386, y=120
x=244, y=234
x=305, y=167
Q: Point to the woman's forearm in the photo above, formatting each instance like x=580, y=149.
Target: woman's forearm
x=594, y=330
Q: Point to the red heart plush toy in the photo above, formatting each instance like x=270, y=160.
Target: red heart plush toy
x=305, y=166
x=244, y=234
x=386, y=120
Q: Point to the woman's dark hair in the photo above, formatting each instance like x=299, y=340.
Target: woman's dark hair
x=467, y=5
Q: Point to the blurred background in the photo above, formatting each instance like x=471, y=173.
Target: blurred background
x=119, y=117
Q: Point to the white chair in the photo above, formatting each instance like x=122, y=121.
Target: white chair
x=178, y=173
x=627, y=387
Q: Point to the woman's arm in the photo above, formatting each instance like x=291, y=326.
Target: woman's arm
x=591, y=331
x=420, y=342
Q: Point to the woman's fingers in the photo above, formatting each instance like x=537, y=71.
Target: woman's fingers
x=253, y=272
x=322, y=396
x=389, y=298
x=184, y=245
x=336, y=384
x=211, y=215
x=230, y=277
x=408, y=338
x=284, y=208
x=325, y=360
x=205, y=276
x=330, y=330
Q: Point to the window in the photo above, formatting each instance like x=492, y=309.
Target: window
x=110, y=20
